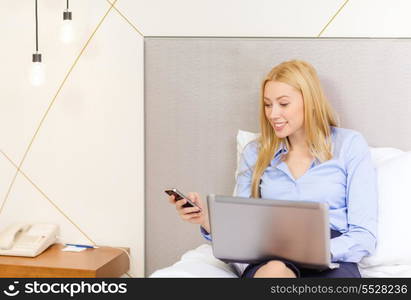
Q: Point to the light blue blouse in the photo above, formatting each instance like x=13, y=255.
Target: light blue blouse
x=347, y=182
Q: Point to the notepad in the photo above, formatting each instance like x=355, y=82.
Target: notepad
x=73, y=249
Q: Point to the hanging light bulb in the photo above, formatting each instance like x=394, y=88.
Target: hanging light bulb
x=67, y=31
x=37, y=73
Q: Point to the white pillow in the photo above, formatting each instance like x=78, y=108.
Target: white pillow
x=394, y=178
x=382, y=155
x=394, y=240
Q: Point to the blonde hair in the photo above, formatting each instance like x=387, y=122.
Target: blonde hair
x=318, y=117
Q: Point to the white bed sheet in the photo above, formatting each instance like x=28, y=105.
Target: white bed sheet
x=200, y=262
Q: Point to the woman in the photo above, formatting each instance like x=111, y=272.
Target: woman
x=303, y=155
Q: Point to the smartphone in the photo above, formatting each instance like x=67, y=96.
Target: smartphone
x=178, y=196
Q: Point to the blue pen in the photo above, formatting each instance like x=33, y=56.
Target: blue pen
x=80, y=246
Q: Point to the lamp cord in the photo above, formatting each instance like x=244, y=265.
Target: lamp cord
x=37, y=33
x=67, y=4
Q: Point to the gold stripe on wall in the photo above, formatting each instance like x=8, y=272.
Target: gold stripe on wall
x=46, y=197
x=126, y=19
x=18, y=167
x=54, y=204
x=51, y=105
x=332, y=19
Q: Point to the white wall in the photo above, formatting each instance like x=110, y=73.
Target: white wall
x=271, y=18
x=88, y=156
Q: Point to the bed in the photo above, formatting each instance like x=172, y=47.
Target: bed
x=200, y=91
x=392, y=257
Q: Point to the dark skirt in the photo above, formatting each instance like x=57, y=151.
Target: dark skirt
x=346, y=269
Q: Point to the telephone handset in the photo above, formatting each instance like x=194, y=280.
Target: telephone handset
x=27, y=239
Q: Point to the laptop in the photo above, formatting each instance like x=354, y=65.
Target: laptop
x=250, y=230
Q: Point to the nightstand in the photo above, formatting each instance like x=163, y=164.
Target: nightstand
x=98, y=262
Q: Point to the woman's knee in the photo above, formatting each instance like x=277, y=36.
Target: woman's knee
x=274, y=268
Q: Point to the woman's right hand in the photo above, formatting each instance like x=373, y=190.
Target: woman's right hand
x=192, y=214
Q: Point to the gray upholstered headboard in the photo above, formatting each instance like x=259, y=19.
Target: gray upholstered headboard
x=200, y=91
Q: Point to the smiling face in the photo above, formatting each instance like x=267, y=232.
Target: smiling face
x=284, y=109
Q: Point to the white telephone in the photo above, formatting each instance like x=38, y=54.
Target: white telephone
x=27, y=239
